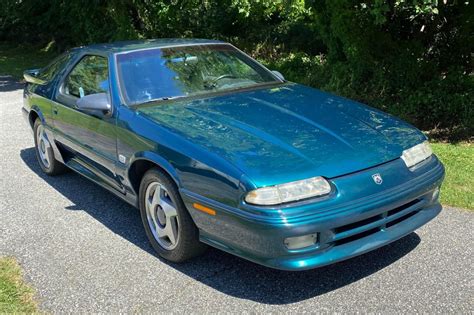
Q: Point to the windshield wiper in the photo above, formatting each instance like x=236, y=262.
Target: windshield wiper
x=164, y=98
x=167, y=98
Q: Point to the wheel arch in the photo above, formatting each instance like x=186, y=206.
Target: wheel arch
x=33, y=115
x=146, y=161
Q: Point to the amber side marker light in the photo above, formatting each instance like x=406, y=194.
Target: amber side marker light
x=204, y=209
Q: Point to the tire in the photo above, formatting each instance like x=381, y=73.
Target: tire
x=45, y=153
x=168, y=225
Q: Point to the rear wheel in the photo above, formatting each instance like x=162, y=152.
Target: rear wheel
x=167, y=223
x=44, y=151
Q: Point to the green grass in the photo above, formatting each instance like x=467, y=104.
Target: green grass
x=14, y=59
x=458, y=187
x=15, y=295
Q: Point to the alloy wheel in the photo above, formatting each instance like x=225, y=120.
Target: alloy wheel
x=162, y=215
x=42, y=146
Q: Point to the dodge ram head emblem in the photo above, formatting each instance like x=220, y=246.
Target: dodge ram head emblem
x=377, y=178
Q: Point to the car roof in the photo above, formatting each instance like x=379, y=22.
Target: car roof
x=124, y=46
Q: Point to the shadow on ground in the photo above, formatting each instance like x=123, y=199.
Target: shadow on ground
x=8, y=83
x=221, y=271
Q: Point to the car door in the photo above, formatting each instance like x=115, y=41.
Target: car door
x=89, y=137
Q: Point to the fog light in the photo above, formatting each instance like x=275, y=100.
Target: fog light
x=303, y=241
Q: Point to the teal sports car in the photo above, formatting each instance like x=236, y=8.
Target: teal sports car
x=215, y=149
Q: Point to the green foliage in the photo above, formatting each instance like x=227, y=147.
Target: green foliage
x=412, y=58
x=16, y=59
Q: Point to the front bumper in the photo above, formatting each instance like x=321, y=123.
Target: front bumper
x=361, y=216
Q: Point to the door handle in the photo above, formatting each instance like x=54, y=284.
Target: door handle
x=55, y=110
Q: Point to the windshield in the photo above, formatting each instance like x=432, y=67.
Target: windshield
x=166, y=73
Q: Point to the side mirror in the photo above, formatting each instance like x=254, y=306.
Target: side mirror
x=98, y=103
x=279, y=75
x=31, y=76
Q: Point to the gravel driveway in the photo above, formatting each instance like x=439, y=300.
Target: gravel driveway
x=85, y=251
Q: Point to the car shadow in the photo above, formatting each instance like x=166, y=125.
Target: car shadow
x=223, y=272
x=8, y=84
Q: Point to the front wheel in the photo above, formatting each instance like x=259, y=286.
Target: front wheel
x=167, y=223
x=44, y=151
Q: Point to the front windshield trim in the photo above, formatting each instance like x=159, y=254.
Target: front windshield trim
x=124, y=99
x=170, y=46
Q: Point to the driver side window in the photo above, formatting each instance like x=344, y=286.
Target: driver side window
x=89, y=76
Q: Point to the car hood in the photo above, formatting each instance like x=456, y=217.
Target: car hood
x=289, y=132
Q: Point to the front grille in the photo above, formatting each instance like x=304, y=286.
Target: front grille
x=357, y=224
x=363, y=228
x=396, y=221
x=356, y=237
x=401, y=208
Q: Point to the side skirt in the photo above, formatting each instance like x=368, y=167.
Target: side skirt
x=86, y=170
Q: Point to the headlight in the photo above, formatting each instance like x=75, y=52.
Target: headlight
x=416, y=154
x=273, y=195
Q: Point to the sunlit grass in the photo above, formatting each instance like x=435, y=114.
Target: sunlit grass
x=15, y=296
x=458, y=187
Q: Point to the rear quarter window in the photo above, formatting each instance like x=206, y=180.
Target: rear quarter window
x=49, y=72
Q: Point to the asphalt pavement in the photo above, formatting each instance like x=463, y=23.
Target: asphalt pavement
x=84, y=250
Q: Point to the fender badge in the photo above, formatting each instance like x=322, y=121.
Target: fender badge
x=377, y=178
